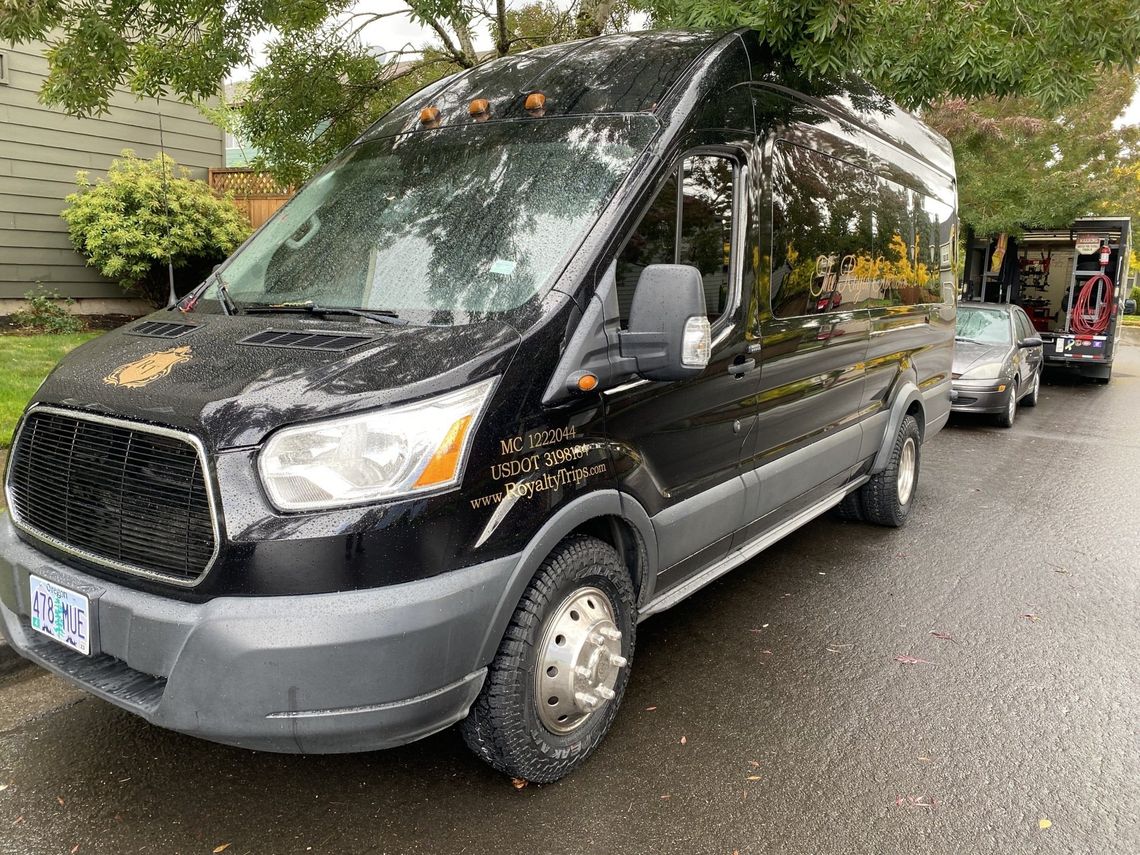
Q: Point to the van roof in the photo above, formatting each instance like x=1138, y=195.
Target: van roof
x=635, y=72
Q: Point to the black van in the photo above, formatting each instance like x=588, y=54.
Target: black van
x=558, y=341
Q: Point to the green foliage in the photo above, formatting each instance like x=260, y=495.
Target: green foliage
x=47, y=312
x=145, y=212
x=1021, y=165
x=25, y=360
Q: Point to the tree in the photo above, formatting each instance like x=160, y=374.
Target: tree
x=146, y=213
x=1023, y=166
x=324, y=83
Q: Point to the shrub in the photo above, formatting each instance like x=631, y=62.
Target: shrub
x=47, y=312
x=144, y=212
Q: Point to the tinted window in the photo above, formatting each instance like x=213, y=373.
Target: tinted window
x=822, y=233
x=695, y=229
x=1024, y=325
x=983, y=326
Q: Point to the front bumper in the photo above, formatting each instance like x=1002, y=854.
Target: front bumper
x=985, y=397
x=323, y=673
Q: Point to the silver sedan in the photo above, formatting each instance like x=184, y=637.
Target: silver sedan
x=998, y=359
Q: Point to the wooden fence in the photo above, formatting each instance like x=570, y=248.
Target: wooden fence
x=255, y=193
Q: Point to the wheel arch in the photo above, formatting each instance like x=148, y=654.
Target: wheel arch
x=610, y=516
x=908, y=401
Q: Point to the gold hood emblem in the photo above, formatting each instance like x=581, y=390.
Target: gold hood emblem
x=151, y=367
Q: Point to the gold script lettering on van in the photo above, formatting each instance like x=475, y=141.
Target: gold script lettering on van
x=149, y=368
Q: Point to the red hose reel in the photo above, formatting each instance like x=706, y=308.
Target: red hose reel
x=1083, y=319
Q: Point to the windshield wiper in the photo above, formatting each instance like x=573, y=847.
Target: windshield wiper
x=970, y=340
x=384, y=316
x=229, y=305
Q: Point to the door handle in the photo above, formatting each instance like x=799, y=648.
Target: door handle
x=741, y=367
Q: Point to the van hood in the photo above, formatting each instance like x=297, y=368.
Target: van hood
x=213, y=382
x=967, y=354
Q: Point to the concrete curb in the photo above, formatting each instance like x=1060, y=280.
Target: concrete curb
x=10, y=661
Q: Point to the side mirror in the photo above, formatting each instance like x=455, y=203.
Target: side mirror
x=1130, y=307
x=1031, y=341
x=669, y=337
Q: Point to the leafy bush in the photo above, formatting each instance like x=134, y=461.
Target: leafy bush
x=144, y=212
x=47, y=312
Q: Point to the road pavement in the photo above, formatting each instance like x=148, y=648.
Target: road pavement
x=770, y=713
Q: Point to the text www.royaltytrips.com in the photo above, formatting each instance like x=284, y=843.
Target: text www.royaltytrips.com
x=547, y=481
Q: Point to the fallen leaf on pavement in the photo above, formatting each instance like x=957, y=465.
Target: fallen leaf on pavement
x=1044, y=823
x=60, y=800
x=666, y=797
x=222, y=848
x=912, y=660
x=923, y=759
x=942, y=636
x=752, y=778
x=519, y=783
x=1032, y=618
x=3, y=787
x=754, y=764
x=684, y=740
x=74, y=849
x=916, y=802
x=650, y=709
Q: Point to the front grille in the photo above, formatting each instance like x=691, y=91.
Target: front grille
x=127, y=496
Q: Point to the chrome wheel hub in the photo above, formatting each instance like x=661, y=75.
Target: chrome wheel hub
x=907, y=457
x=579, y=661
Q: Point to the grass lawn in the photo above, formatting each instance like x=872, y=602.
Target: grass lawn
x=24, y=361
x=1130, y=320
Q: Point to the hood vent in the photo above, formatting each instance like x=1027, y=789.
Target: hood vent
x=162, y=329
x=301, y=340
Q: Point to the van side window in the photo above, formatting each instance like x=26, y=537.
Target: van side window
x=694, y=229
x=823, y=231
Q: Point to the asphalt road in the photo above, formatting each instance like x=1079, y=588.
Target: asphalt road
x=767, y=714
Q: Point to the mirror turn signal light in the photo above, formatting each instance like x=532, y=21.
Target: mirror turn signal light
x=480, y=109
x=535, y=104
x=429, y=117
x=582, y=381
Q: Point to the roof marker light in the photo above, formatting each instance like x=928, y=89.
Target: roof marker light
x=536, y=104
x=429, y=117
x=480, y=109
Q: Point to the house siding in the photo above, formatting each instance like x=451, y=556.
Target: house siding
x=41, y=149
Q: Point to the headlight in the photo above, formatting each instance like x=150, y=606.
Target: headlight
x=989, y=371
x=401, y=451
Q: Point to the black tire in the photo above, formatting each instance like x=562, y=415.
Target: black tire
x=851, y=508
x=1030, y=400
x=1006, y=418
x=503, y=727
x=881, y=499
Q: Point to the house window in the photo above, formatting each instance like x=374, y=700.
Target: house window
x=3, y=67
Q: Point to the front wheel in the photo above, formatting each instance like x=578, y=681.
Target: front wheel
x=1006, y=418
x=554, y=686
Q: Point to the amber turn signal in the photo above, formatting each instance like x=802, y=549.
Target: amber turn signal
x=443, y=464
x=479, y=109
x=587, y=382
x=429, y=117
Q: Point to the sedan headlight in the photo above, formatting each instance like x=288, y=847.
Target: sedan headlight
x=382, y=454
x=989, y=371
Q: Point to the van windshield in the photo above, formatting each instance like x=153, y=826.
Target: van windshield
x=442, y=226
x=983, y=326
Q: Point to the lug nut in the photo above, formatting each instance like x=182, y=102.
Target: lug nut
x=597, y=639
x=583, y=672
x=605, y=692
x=611, y=633
x=618, y=661
x=589, y=702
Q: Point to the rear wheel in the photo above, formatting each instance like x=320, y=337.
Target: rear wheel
x=1031, y=399
x=1006, y=418
x=554, y=686
x=888, y=496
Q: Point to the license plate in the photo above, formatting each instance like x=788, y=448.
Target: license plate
x=61, y=614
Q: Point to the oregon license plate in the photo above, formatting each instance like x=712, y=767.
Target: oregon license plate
x=61, y=614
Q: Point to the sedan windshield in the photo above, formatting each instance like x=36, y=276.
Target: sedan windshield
x=441, y=226
x=984, y=326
